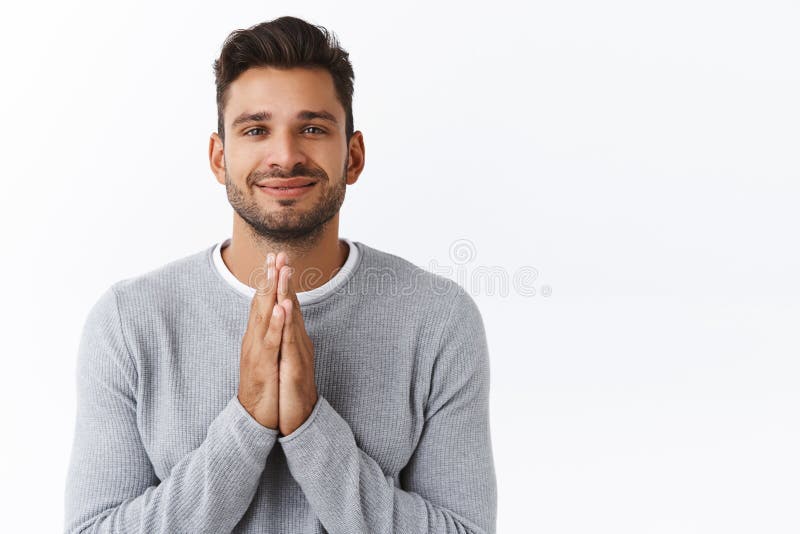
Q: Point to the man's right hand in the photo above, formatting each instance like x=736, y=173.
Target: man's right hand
x=258, y=364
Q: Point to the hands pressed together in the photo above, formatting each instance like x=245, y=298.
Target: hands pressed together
x=276, y=368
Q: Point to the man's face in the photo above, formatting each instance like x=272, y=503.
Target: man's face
x=270, y=137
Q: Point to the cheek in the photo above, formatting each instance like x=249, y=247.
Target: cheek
x=240, y=163
x=333, y=168
x=243, y=153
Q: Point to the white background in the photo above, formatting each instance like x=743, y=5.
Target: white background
x=641, y=156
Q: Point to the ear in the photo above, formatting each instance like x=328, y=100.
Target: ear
x=216, y=157
x=356, y=154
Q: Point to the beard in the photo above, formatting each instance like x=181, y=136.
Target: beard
x=289, y=223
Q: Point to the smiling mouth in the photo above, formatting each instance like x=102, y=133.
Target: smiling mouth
x=285, y=188
x=286, y=192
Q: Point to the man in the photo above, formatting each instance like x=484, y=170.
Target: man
x=284, y=380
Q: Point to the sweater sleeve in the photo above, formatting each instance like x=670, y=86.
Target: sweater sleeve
x=111, y=485
x=448, y=485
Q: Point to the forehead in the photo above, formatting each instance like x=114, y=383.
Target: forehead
x=282, y=92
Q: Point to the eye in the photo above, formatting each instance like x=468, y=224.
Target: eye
x=249, y=132
x=319, y=130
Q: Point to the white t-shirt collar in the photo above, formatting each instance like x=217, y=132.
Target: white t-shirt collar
x=305, y=297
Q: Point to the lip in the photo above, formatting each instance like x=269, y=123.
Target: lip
x=290, y=192
x=285, y=182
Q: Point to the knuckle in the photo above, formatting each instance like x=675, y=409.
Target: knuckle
x=298, y=374
x=271, y=343
x=247, y=345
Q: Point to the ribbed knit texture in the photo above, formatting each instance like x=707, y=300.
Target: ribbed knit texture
x=399, y=440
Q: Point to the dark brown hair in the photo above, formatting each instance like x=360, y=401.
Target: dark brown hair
x=284, y=43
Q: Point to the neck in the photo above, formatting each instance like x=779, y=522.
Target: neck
x=315, y=261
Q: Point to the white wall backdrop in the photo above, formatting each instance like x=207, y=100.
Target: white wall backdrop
x=642, y=157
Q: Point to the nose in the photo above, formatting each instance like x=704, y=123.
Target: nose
x=284, y=151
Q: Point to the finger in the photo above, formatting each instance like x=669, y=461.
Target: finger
x=272, y=340
x=293, y=281
x=296, y=340
x=281, y=259
x=287, y=294
x=291, y=293
x=289, y=337
x=283, y=283
x=297, y=312
x=264, y=299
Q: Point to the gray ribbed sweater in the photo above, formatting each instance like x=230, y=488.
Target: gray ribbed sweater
x=398, y=441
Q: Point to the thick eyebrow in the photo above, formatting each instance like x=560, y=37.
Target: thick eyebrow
x=263, y=116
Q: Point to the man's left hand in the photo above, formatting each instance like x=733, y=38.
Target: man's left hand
x=298, y=389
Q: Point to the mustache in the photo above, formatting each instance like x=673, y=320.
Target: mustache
x=297, y=172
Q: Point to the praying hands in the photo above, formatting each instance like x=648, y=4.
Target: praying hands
x=276, y=369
